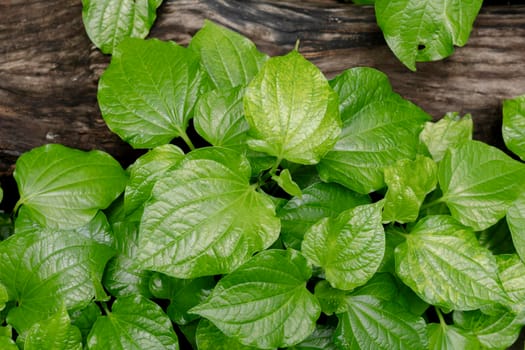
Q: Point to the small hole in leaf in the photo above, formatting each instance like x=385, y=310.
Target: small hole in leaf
x=421, y=47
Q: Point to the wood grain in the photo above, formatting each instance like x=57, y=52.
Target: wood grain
x=49, y=69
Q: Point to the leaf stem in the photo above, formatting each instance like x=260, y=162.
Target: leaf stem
x=440, y=316
x=186, y=139
x=431, y=204
x=105, y=308
x=273, y=170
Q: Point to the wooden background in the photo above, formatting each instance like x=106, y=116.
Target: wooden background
x=49, y=69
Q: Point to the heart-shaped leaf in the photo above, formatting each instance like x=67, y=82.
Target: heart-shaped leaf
x=55, y=333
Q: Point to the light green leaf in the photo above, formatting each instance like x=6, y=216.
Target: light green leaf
x=4, y=297
x=134, y=323
x=265, y=303
x=514, y=125
x=479, y=183
x=447, y=337
x=493, y=332
x=182, y=293
x=320, y=200
x=219, y=118
x=442, y=261
x=516, y=221
x=64, y=188
x=349, y=248
x=52, y=268
x=370, y=323
x=408, y=184
x=209, y=337
x=143, y=174
x=108, y=22
x=7, y=343
x=148, y=92
x=425, y=30
x=321, y=339
x=229, y=58
x=6, y=331
x=379, y=128
x=85, y=318
x=55, y=333
x=292, y=110
x=511, y=271
x=204, y=218
x=332, y=300
x=285, y=181
x=449, y=132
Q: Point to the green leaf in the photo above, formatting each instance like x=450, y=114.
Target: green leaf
x=332, y=300
x=148, y=92
x=493, y=332
x=6, y=331
x=7, y=344
x=442, y=261
x=320, y=200
x=143, y=174
x=514, y=125
x=108, y=22
x=55, y=333
x=63, y=187
x=497, y=238
x=449, y=132
x=52, y=268
x=382, y=286
x=370, y=323
x=479, y=183
x=134, y=323
x=204, y=218
x=1, y=194
x=425, y=30
x=229, y=58
x=349, y=248
x=511, y=271
x=408, y=184
x=379, y=128
x=321, y=339
x=4, y=297
x=182, y=293
x=85, y=318
x=285, y=181
x=209, y=337
x=447, y=337
x=122, y=277
x=292, y=110
x=516, y=221
x=219, y=118
x=265, y=303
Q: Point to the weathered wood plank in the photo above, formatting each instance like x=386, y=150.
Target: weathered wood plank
x=49, y=69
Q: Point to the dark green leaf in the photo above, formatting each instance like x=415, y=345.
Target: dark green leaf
x=447, y=337
x=134, y=323
x=479, y=183
x=64, y=188
x=349, y=248
x=108, y=22
x=425, y=30
x=85, y=318
x=442, y=261
x=229, y=58
x=497, y=238
x=55, y=333
x=514, y=125
x=379, y=128
x=449, y=132
x=285, y=181
x=320, y=200
x=148, y=92
x=209, y=337
x=332, y=300
x=370, y=323
x=408, y=184
x=265, y=302
x=321, y=339
x=204, y=218
x=292, y=110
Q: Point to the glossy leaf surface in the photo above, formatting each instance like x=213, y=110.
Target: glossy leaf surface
x=514, y=125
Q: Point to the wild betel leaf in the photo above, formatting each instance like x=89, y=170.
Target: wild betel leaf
x=511, y=271
x=514, y=125
x=229, y=58
x=134, y=322
x=349, y=248
x=449, y=337
x=148, y=92
x=318, y=201
x=516, y=221
x=204, y=217
x=209, y=337
x=292, y=110
x=64, y=188
x=285, y=181
x=479, y=183
x=370, y=323
x=442, y=261
x=53, y=268
x=108, y=22
x=322, y=338
x=379, y=128
x=265, y=303
x=55, y=333
x=425, y=30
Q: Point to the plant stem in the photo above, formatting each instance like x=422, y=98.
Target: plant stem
x=431, y=204
x=273, y=170
x=186, y=139
x=105, y=308
x=440, y=316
